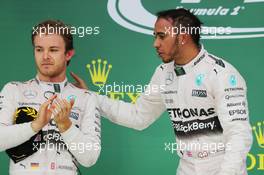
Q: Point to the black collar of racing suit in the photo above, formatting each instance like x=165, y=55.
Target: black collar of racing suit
x=182, y=70
x=51, y=86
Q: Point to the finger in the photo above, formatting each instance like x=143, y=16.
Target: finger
x=56, y=109
x=52, y=97
x=77, y=85
x=55, y=118
x=44, y=106
x=80, y=83
x=44, y=115
x=63, y=106
x=72, y=102
x=58, y=104
x=53, y=110
x=68, y=107
x=49, y=113
x=76, y=77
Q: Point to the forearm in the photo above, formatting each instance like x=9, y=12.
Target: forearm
x=234, y=117
x=239, y=143
x=14, y=135
x=137, y=116
x=86, y=149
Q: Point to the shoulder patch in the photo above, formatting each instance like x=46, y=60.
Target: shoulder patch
x=217, y=61
x=30, y=81
x=16, y=83
x=162, y=67
x=87, y=92
x=72, y=86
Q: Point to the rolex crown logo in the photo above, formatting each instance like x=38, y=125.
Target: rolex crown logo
x=259, y=133
x=100, y=73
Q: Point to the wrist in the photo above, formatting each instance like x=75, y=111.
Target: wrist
x=64, y=126
x=35, y=127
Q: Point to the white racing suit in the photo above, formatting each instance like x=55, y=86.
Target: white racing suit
x=82, y=139
x=207, y=103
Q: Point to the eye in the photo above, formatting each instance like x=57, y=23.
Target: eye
x=54, y=50
x=38, y=49
x=162, y=37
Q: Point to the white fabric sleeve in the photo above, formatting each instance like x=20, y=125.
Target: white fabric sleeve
x=11, y=135
x=147, y=108
x=84, y=142
x=232, y=109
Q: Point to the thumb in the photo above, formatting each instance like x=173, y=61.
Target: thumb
x=52, y=97
x=75, y=77
x=46, y=104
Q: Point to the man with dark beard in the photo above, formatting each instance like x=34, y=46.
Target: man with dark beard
x=204, y=95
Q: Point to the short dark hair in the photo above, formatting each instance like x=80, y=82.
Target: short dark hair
x=57, y=27
x=184, y=18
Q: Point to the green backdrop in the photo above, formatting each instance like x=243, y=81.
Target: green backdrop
x=124, y=40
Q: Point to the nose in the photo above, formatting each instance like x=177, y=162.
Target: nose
x=156, y=43
x=45, y=55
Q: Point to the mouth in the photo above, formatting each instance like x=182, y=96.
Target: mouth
x=46, y=64
x=159, y=53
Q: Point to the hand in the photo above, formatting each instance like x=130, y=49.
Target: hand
x=78, y=81
x=61, y=111
x=44, y=115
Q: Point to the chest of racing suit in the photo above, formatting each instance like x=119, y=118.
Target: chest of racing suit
x=207, y=104
x=52, y=156
x=203, y=99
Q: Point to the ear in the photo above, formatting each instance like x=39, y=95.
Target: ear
x=69, y=54
x=183, y=39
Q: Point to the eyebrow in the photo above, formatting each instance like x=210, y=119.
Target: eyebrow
x=53, y=47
